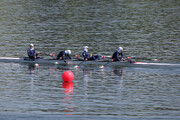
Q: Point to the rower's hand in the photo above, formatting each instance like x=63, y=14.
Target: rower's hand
x=52, y=55
x=128, y=58
x=112, y=60
x=103, y=57
x=86, y=59
x=122, y=59
x=77, y=56
x=38, y=53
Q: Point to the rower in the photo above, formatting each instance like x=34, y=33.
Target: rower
x=31, y=52
x=63, y=55
x=89, y=57
x=115, y=56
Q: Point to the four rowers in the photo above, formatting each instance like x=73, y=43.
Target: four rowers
x=117, y=56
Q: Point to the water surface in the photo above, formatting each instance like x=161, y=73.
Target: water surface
x=145, y=29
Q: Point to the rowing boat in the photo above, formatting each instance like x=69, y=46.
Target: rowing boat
x=75, y=62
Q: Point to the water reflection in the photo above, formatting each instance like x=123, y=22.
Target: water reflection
x=67, y=100
x=108, y=89
x=68, y=88
x=104, y=79
x=85, y=79
x=120, y=73
x=33, y=69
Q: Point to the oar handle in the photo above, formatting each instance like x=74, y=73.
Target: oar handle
x=45, y=53
x=77, y=56
x=52, y=55
x=108, y=56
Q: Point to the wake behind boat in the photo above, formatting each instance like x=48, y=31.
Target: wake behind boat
x=98, y=62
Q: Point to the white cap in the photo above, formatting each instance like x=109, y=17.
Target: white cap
x=85, y=48
x=31, y=45
x=120, y=49
x=68, y=52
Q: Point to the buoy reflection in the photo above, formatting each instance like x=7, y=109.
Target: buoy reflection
x=68, y=88
x=68, y=91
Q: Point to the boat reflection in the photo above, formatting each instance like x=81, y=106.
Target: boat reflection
x=104, y=78
x=33, y=69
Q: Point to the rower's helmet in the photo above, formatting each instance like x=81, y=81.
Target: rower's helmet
x=68, y=52
x=120, y=49
x=31, y=45
x=85, y=48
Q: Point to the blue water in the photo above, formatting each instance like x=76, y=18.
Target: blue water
x=146, y=30
x=30, y=92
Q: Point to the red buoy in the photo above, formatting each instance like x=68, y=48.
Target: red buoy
x=67, y=76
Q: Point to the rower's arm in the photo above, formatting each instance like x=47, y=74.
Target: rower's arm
x=121, y=55
x=69, y=56
x=63, y=55
x=66, y=56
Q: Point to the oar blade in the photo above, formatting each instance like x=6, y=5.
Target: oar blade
x=102, y=67
x=76, y=66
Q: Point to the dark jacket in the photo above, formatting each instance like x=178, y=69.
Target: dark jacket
x=31, y=53
x=63, y=55
x=85, y=55
x=116, y=55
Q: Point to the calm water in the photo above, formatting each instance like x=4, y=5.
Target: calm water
x=145, y=29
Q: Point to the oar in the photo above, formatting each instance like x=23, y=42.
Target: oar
x=52, y=55
x=77, y=66
x=103, y=66
x=66, y=62
x=107, y=56
x=45, y=53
